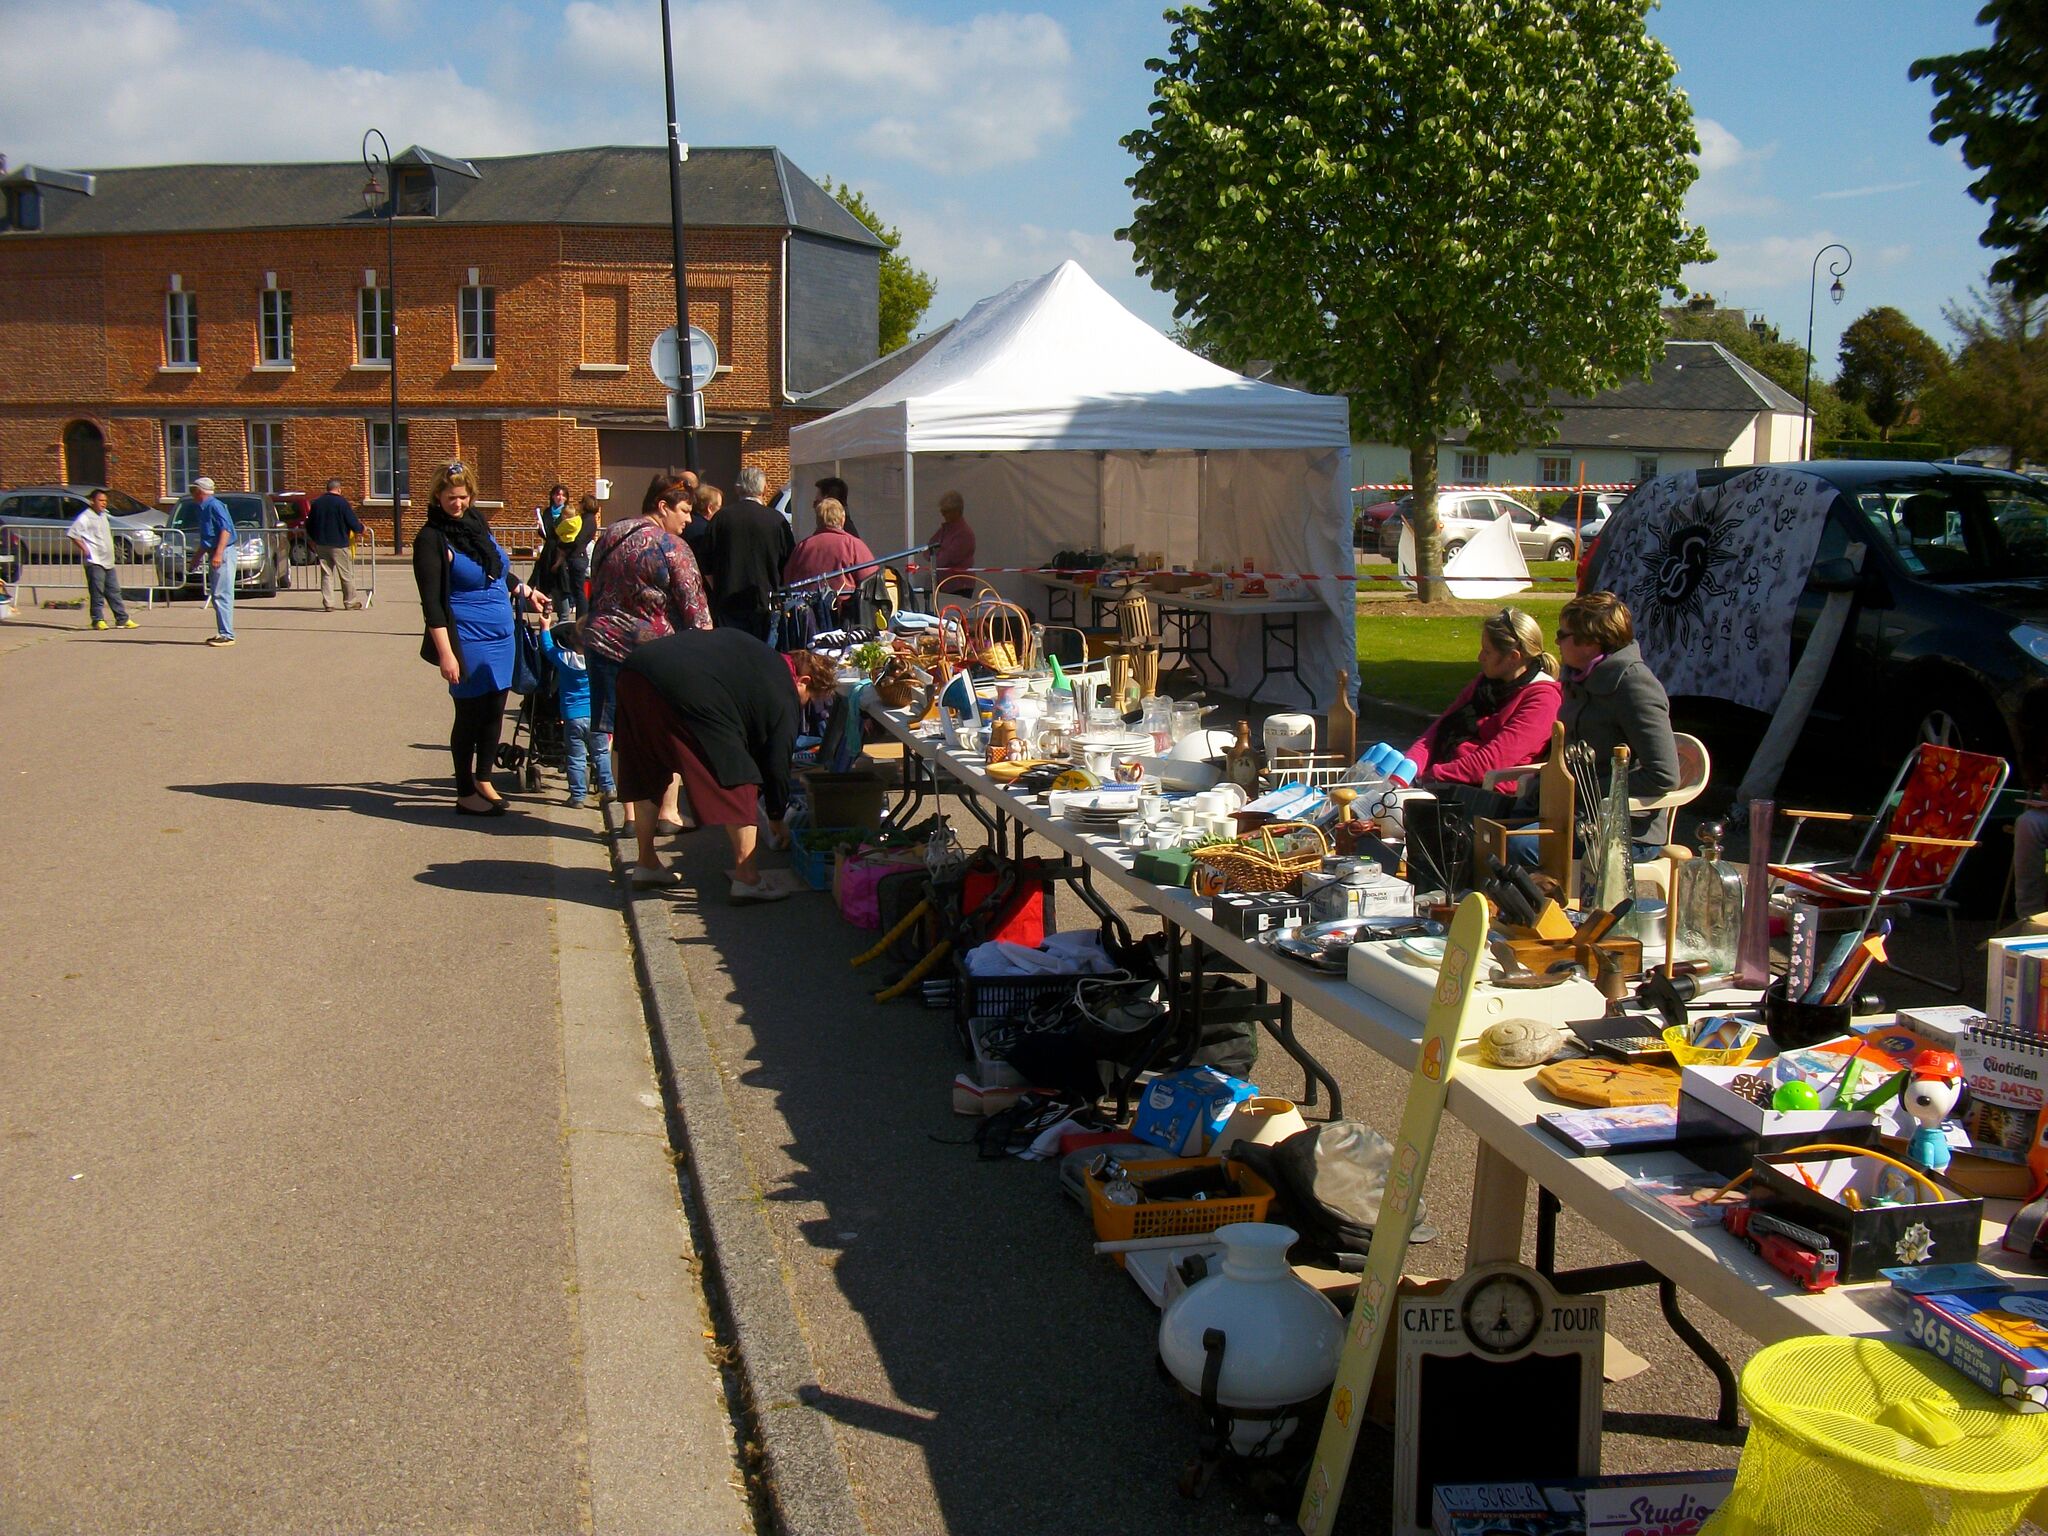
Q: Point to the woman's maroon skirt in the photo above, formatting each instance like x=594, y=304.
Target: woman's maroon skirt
x=650, y=741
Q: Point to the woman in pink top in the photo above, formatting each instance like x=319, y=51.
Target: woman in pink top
x=1501, y=719
x=831, y=548
x=953, y=545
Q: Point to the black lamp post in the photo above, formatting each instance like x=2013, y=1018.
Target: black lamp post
x=675, y=221
x=375, y=190
x=1840, y=270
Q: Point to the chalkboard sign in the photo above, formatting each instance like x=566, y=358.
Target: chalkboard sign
x=1497, y=1379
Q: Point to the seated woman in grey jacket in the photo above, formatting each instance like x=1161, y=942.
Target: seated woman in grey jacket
x=1613, y=699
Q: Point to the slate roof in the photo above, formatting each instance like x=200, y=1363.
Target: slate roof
x=1698, y=396
x=754, y=187
x=862, y=382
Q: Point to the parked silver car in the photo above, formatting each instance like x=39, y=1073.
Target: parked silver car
x=1460, y=514
x=261, y=546
x=37, y=516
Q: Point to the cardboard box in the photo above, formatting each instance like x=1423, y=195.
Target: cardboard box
x=1250, y=913
x=1724, y=1131
x=1184, y=1111
x=1868, y=1236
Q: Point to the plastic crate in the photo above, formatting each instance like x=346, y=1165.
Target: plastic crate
x=813, y=849
x=1178, y=1218
x=999, y=997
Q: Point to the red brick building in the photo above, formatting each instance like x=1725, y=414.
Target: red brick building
x=233, y=320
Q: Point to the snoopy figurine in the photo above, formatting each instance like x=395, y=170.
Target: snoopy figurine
x=1934, y=1082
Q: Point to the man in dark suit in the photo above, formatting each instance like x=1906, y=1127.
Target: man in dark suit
x=743, y=558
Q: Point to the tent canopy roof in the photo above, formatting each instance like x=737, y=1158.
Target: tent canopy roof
x=1054, y=362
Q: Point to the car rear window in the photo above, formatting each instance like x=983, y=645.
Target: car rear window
x=1962, y=530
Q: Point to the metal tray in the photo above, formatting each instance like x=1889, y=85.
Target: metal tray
x=1325, y=946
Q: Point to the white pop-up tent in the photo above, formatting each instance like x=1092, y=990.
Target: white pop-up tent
x=1068, y=423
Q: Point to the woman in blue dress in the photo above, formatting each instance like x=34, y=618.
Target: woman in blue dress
x=466, y=595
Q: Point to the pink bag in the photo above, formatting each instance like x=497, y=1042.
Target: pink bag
x=860, y=876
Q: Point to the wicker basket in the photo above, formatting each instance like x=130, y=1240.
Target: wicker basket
x=1255, y=862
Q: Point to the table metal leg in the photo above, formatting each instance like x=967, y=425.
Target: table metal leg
x=1271, y=628
x=1313, y=1071
x=1629, y=1276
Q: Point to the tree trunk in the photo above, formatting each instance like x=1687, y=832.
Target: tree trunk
x=1429, y=539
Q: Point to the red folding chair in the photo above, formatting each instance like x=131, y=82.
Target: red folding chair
x=1933, y=814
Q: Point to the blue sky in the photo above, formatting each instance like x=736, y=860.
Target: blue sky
x=989, y=135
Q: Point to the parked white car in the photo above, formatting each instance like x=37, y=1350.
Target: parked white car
x=1460, y=514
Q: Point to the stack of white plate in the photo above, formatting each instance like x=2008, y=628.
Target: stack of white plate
x=1099, y=810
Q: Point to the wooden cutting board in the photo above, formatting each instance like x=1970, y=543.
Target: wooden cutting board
x=1605, y=1084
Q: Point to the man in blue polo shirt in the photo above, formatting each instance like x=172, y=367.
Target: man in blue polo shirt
x=216, y=544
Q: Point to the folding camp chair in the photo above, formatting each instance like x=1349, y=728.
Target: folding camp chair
x=1933, y=814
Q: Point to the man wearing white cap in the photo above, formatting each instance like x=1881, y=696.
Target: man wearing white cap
x=216, y=534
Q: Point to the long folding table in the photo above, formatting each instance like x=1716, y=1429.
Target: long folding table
x=1189, y=629
x=1499, y=1106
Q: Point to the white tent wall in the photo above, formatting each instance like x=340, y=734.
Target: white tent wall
x=1289, y=512
x=1152, y=502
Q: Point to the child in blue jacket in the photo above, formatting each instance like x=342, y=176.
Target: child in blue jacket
x=563, y=648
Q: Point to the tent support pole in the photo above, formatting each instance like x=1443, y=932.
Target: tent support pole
x=910, y=508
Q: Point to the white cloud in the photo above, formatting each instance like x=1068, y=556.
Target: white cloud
x=1774, y=261
x=1731, y=175
x=963, y=96
x=972, y=258
x=210, y=97
x=1879, y=190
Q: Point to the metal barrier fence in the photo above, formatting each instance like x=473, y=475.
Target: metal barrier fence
x=34, y=565
x=268, y=561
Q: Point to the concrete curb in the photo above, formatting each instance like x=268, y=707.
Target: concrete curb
x=806, y=1480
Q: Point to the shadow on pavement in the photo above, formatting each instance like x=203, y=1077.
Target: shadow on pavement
x=423, y=802
x=522, y=877
x=984, y=1368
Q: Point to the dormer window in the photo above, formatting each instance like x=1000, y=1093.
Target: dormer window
x=25, y=193
x=24, y=208
x=416, y=194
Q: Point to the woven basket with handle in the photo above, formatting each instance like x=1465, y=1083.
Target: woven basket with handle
x=1256, y=861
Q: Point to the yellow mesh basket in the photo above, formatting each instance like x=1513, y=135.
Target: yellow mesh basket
x=1862, y=1437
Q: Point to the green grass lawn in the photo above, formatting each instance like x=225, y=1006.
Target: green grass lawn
x=1422, y=655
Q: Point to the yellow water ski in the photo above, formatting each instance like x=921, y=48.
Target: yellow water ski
x=1372, y=1314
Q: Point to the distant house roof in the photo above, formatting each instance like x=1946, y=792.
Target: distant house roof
x=863, y=382
x=611, y=184
x=1698, y=396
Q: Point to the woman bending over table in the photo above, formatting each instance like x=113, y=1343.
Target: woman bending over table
x=466, y=596
x=722, y=709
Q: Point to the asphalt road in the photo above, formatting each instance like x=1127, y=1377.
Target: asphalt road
x=321, y=1211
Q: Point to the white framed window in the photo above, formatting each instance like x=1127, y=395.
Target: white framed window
x=274, y=326
x=1472, y=469
x=373, y=325
x=477, y=324
x=1553, y=469
x=1646, y=467
x=380, y=461
x=181, y=329
x=181, y=455
x=266, y=457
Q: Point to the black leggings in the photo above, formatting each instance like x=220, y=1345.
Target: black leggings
x=479, y=722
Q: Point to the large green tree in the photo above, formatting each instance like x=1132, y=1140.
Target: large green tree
x=1995, y=393
x=1991, y=98
x=906, y=292
x=1886, y=362
x=1440, y=208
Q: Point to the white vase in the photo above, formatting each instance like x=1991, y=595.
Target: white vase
x=1281, y=1336
x=1262, y=1121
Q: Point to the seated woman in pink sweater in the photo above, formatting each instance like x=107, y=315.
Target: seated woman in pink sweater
x=1500, y=719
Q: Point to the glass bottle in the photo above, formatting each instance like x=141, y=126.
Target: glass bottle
x=1610, y=873
x=1753, y=953
x=1241, y=760
x=1709, y=898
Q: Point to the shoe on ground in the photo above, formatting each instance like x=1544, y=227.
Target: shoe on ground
x=99, y=624
x=574, y=802
x=774, y=885
x=668, y=828
x=220, y=640
x=641, y=878
x=127, y=624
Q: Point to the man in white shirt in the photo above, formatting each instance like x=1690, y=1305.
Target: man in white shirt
x=94, y=537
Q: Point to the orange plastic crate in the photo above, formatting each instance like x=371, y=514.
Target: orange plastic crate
x=1178, y=1218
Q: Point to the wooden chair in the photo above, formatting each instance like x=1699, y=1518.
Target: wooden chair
x=1134, y=654
x=1933, y=814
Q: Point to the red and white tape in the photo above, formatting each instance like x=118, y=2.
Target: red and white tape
x=1527, y=490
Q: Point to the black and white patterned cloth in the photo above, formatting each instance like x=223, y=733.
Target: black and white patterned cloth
x=1712, y=576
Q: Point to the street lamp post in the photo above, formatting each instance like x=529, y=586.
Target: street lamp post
x=675, y=222
x=382, y=187
x=1840, y=269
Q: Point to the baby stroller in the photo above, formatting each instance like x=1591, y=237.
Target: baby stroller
x=537, y=728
